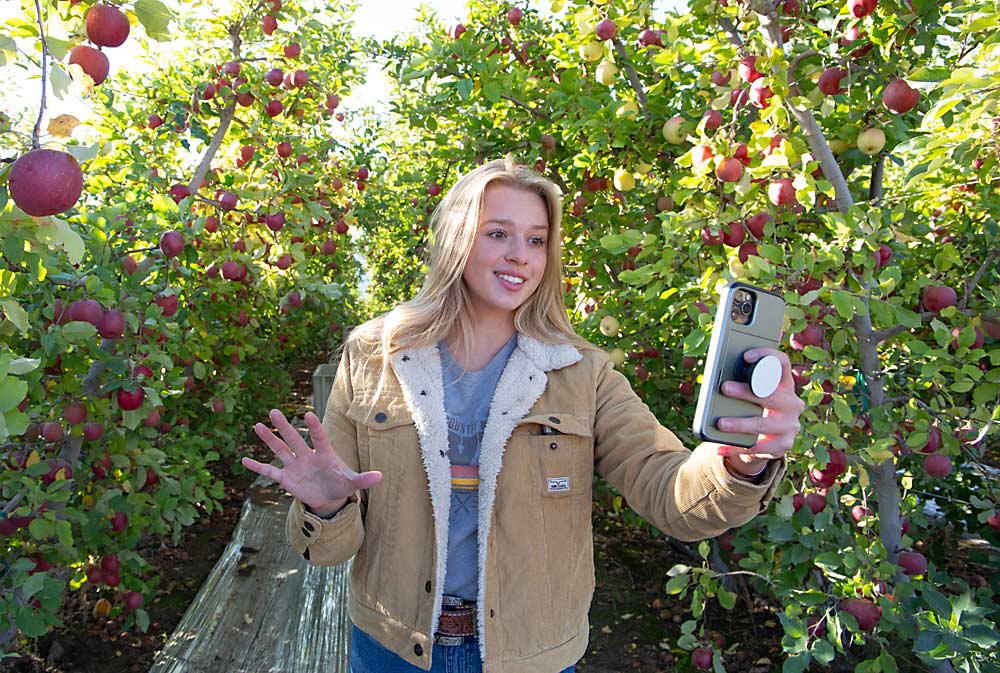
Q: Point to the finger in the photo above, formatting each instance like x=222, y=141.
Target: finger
x=755, y=354
x=366, y=480
x=266, y=469
x=741, y=391
x=762, y=450
x=759, y=425
x=288, y=433
x=278, y=447
x=317, y=432
x=783, y=401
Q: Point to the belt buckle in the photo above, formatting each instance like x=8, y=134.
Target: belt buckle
x=449, y=641
x=451, y=601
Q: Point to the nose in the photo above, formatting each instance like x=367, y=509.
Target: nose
x=517, y=251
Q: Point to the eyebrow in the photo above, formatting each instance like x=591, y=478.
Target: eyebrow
x=507, y=222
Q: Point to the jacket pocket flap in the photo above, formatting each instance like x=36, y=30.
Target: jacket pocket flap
x=387, y=412
x=567, y=424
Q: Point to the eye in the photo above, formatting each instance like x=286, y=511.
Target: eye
x=538, y=240
x=497, y=231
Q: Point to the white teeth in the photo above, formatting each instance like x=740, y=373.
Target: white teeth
x=511, y=279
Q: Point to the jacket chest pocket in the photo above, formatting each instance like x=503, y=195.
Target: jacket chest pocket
x=562, y=452
x=384, y=430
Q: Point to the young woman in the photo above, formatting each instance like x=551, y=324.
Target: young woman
x=456, y=454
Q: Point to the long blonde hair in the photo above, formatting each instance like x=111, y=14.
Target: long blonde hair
x=443, y=304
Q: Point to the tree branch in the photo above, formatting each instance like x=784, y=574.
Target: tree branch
x=526, y=107
x=45, y=54
x=633, y=77
x=971, y=283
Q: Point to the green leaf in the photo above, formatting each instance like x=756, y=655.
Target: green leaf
x=142, y=620
x=927, y=641
x=981, y=635
x=677, y=584
x=155, y=17
x=844, y=303
x=886, y=663
x=12, y=391
x=796, y=663
x=33, y=584
x=822, y=651
x=30, y=622
x=19, y=366
x=727, y=599
x=938, y=603
x=77, y=330
x=16, y=315
x=64, y=531
x=41, y=529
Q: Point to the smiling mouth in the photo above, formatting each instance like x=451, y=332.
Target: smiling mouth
x=510, y=281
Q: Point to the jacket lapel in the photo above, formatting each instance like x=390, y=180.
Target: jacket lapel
x=521, y=384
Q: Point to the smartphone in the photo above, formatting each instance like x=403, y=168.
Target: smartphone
x=748, y=317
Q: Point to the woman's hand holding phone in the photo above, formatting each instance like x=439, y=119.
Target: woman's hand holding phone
x=318, y=478
x=776, y=429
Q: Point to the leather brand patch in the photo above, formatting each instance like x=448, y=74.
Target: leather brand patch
x=558, y=484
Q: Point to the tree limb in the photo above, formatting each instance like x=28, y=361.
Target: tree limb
x=526, y=107
x=633, y=77
x=45, y=55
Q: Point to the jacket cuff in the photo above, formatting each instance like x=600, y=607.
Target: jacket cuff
x=760, y=491
x=309, y=533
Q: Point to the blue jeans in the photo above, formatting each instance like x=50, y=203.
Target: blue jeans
x=369, y=656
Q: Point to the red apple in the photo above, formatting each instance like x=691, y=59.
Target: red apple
x=912, y=563
x=75, y=413
x=812, y=335
x=132, y=601
x=300, y=78
x=747, y=69
x=781, y=192
x=815, y=502
x=52, y=432
x=933, y=441
x=154, y=121
x=273, y=108
x=332, y=101
x=713, y=119
x=119, y=521
x=864, y=611
x=433, y=189
x=45, y=182
x=899, y=97
x=701, y=155
x=702, y=658
x=760, y=94
x=269, y=24
x=514, y=16
x=130, y=401
x=937, y=465
x=606, y=29
x=284, y=149
x=456, y=31
x=227, y=200
x=172, y=243
x=861, y=8
x=107, y=26
x=274, y=77
x=93, y=430
x=86, y=310
x=746, y=250
x=293, y=50
x=755, y=224
x=829, y=81
x=179, y=192
x=733, y=234
x=708, y=238
x=937, y=297
x=729, y=170
x=859, y=513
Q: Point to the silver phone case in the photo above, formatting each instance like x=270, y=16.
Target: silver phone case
x=729, y=341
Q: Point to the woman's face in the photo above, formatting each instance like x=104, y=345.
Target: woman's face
x=512, y=241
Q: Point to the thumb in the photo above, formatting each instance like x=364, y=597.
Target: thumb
x=366, y=480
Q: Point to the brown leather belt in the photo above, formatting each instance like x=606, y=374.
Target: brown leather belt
x=457, y=621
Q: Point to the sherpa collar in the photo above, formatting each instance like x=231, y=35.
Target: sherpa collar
x=521, y=384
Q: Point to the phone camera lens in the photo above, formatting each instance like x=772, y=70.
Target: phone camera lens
x=746, y=308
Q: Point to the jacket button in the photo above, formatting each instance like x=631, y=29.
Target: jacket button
x=417, y=650
x=380, y=417
x=427, y=587
x=553, y=445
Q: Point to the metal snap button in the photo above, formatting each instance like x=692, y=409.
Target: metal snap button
x=553, y=445
x=380, y=417
x=417, y=650
x=554, y=419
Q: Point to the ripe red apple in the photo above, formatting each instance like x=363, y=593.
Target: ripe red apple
x=861, y=8
x=95, y=575
x=709, y=238
x=93, y=430
x=75, y=413
x=747, y=69
x=650, y=38
x=274, y=77
x=859, y=513
x=713, y=119
x=274, y=222
x=269, y=24
x=227, y=200
x=86, y=310
x=882, y=255
x=433, y=189
x=746, y=250
x=456, y=31
x=781, y=192
x=107, y=26
x=273, y=108
x=864, y=611
x=232, y=68
x=937, y=465
x=300, y=78
x=720, y=78
x=815, y=626
x=729, y=169
x=937, y=297
x=119, y=521
x=815, y=502
x=812, y=335
x=179, y=192
x=760, y=94
x=514, y=16
x=45, y=182
x=702, y=658
x=362, y=174
x=284, y=149
x=132, y=601
x=332, y=101
x=154, y=121
x=52, y=432
x=606, y=29
x=130, y=401
x=798, y=500
x=912, y=563
x=755, y=224
x=829, y=81
x=899, y=97
x=167, y=303
x=994, y=521
x=329, y=247
x=293, y=50
x=933, y=440
x=208, y=91
x=172, y=243
x=733, y=234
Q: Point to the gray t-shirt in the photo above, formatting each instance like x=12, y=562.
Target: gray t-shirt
x=467, y=406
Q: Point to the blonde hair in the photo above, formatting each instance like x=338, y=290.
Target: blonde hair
x=443, y=305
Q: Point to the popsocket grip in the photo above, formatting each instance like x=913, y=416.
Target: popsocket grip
x=763, y=376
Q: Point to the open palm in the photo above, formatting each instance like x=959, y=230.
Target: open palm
x=318, y=478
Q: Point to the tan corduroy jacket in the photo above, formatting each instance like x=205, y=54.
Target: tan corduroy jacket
x=558, y=416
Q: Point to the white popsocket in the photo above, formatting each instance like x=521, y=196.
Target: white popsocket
x=764, y=375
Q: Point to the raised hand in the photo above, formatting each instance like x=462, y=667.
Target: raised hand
x=776, y=429
x=319, y=478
